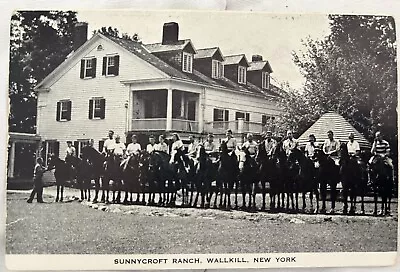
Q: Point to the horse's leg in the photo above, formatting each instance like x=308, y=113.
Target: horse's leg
x=333, y=196
x=323, y=196
x=58, y=192
x=311, y=200
x=263, y=195
x=345, y=194
x=62, y=193
x=254, y=188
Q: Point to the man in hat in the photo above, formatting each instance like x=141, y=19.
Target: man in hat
x=109, y=144
x=230, y=141
x=290, y=143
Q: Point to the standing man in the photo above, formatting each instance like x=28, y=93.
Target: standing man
x=251, y=145
x=353, y=148
x=37, y=182
x=230, y=141
x=331, y=147
x=109, y=144
x=151, y=144
x=290, y=143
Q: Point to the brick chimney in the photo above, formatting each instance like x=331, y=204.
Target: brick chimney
x=79, y=34
x=256, y=58
x=170, y=33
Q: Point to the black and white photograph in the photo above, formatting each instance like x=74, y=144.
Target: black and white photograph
x=201, y=139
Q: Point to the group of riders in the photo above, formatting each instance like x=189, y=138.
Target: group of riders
x=255, y=150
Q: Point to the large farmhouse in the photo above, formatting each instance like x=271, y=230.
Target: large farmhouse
x=171, y=86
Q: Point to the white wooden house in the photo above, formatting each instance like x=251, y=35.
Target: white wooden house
x=130, y=87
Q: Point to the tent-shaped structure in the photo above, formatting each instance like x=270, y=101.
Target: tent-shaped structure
x=340, y=127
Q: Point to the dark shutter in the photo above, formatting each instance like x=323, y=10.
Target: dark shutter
x=76, y=145
x=91, y=109
x=116, y=63
x=103, y=108
x=56, y=149
x=94, y=64
x=69, y=106
x=58, y=111
x=82, y=68
x=215, y=114
x=247, y=117
x=104, y=66
x=101, y=144
x=226, y=116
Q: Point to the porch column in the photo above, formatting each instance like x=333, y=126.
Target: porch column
x=201, y=113
x=182, y=104
x=169, y=110
x=11, y=159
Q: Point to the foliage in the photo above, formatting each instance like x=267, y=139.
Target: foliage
x=40, y=41
x=352, y=72
x=114, y=32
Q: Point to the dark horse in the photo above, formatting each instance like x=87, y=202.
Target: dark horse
x=96, y=161
x=301, y=178
x=382, y=182
x=328, y=174
x=181, y=168
x=82, y=170
x=248, y=176
x=61, y=173
x=354, y=178
x=226, y=177
x=130, y=171
x=112, y=171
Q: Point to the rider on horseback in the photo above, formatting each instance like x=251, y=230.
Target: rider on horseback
x=269, y=143
x=230, y=141
x=192, y=148
x=177, y=145
x=331, y=147
x=251, y=145
x=310, y=147
x=209, y=145
x=109, y=144
x=290, y=143
x=161, y=146
x=120, y=148
x=353, y=148
x=151, y=145
x=381, y=148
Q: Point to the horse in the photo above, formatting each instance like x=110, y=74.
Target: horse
x=226, y=177
x=301, y=178
x=328, y=174
x=382, y=182
x=61, y=174
x=248, y=177
x=130, y=175
x=96, y=161
x=353, y=176
x=82, y=171
x=112, y=172
x=146, y=178
x=161, y=172
x=181, y=169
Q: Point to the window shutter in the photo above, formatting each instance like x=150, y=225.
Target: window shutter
x=215, y=114
x=58, y=111
x=69, y=106
x=91, y=109
x=101, y=144
x=226, y=115
x=116, y=63
x=103, y=108
x=94, y=61
x=56, y=149
x=247, y=117
x=104, y=66
x=76, y=145
x=82, y=68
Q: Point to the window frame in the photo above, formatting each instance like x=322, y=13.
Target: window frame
x=100, y=109
x=63, y=109
x=217, y=69
x=265, y=79
x=88, y=70
x=187, y=62
x=108, y=65
x=242, y=77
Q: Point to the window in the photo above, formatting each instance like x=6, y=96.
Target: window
x=88, y=68
x=265, y=80
x=242, y=74
x=110, y=65
x=221, y=118
x=79, y=145
x=97, y=108
x=268, y=121
x=63, y=110
x=245, y=116
x=217, y=69
x=187, y=60
x=50, y=147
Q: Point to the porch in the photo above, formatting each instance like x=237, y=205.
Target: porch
x=237, y=126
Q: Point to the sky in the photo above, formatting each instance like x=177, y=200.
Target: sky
x=273, y=36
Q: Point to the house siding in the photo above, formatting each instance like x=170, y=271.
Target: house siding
x=80, y=91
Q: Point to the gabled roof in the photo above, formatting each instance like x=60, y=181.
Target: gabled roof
x=179, y=45
x=260, y=65
x=340, y=127
x=236, y=59
x=213, y=52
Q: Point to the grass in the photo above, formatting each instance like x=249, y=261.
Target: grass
x=73, y=228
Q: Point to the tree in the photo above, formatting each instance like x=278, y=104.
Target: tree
x=352, y=72
x=40, y=41
x=114, y=32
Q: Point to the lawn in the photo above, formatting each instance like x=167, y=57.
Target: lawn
x=73, y=228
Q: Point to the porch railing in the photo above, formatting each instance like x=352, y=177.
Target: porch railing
x=147, y=124
x=185, y=125
x=238, y=126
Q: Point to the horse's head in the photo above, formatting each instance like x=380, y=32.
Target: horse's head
x=53, y=161
x=344, y=153
x=202, y=155
x=223, y=147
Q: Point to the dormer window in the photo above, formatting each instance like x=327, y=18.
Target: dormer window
x=187, y=62
x=242, y=74
x=217, y=69
x=265, y=80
